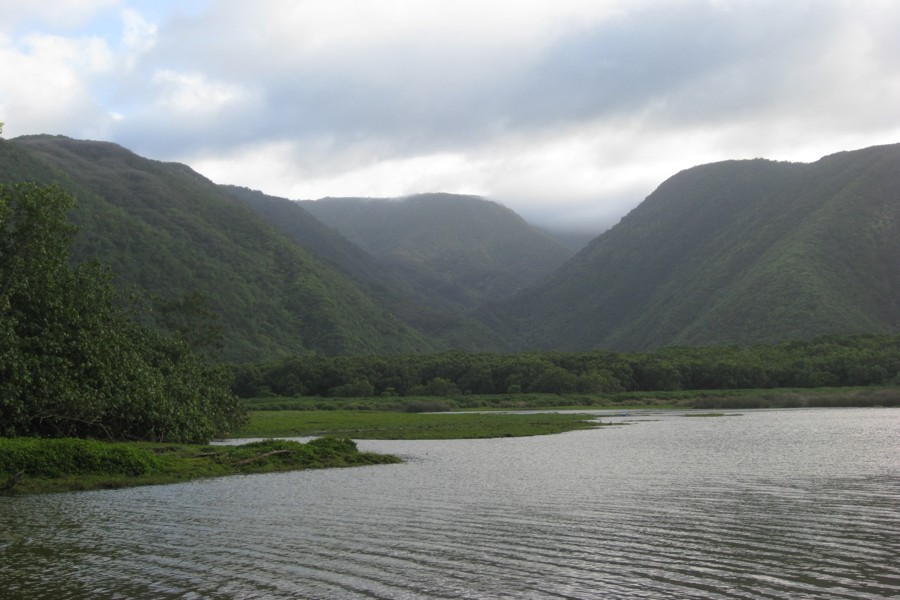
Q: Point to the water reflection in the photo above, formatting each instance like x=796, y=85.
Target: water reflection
x=768, y=504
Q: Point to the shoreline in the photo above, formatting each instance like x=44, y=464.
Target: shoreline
x=44, y=466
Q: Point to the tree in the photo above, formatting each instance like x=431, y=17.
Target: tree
x=74, y=359
x=554, y=380
x=190, y=319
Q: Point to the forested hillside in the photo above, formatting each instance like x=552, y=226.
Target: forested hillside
x=739, y=252
x=169, y=232
x=458, y=251
x=417, y=301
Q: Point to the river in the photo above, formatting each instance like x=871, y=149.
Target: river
x=759, y=504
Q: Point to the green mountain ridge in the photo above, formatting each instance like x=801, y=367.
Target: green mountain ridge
x=464, y=248
x=417, y=301
x=164, y=229
x=737, y=252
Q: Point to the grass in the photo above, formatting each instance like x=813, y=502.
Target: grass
x=480, y=402
x=680, y=399
x=409, y=426
x=32, y=465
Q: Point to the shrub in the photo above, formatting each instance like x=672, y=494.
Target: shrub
x=65, y=456
x=75, y=360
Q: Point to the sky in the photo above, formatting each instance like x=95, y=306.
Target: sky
x=570, y=112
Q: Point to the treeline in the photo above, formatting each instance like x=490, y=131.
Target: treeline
x=829, y=361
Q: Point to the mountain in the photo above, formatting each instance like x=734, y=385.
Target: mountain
x=456, y=251
x=165, y=230
x=417, y=304
x=737, y=252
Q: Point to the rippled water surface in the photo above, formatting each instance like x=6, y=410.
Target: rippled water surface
x=764, y=504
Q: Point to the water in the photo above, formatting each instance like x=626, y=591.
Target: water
x=764, y=504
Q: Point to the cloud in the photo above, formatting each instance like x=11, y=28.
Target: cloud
x=566, y=110
x=138, y=35
x=47, y=82
x=58, y=13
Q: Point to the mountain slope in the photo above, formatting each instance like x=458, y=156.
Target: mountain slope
x=456, y=250
x=736, y=252
x=165, y=229
x=415, y=304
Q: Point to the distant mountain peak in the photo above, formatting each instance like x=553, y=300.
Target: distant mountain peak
x=472, y=248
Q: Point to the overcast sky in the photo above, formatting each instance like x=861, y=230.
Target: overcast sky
x=568, y=111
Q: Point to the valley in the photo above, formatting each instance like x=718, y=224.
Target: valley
x=740, y=252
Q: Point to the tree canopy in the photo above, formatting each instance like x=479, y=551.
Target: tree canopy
x=75, y=359
x=826, y=361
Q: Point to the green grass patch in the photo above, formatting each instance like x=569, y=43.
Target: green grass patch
x=33, y=465
x=462, y=402
x=51, y=458
x=680, y=399
x=799, y=398
x=410, y=426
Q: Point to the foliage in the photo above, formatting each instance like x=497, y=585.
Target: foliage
x=453, y=250
x=31, y=465
x=191, y=321
x=171, y=234
x=431, y=302
x=737, y=252
x=823, y=398
x=857, y=360
x=705, y=399
x=57, y=457
x=411, y=426
x=322, y=452
x=74, y=362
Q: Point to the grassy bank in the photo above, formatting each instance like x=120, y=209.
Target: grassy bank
x=32, y=465
x=682, y=399
x=409, y=426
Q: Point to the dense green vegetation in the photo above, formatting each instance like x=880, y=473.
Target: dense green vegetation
x=124, y=332
x=662, y=400
x=858, y=360
x=737, y=252
x=407, y=426
x=455, y=251
x=75, y=362
x=165, y=231
x=30, y=465
x=414, y=295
